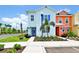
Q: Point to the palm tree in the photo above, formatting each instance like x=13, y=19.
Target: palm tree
x=7, y=25
x=52, y=23
x=46, y=25
x=42, y=29
x=21, y=27
x=0, y=28
x=47, y=29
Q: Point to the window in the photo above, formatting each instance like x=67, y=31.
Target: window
x=32, y=17
x=48, y=17
x=60, y=20
x=66, y=19
x=42, y=17
x=62, y=29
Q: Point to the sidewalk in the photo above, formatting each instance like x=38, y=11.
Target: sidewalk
x=38, y=47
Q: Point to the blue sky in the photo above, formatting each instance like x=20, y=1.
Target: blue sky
x=15, y=14
x=13, y=10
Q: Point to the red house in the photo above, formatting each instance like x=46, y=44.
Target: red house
x=63, y=23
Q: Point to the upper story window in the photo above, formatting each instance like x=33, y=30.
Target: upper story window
x=66, y=20
x=60, y=20
x=48, y=17
x=42, y=17
x=32, y=17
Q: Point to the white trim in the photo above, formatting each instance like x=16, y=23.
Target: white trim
x=64, y=15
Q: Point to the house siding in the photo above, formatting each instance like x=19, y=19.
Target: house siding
x=37, y=21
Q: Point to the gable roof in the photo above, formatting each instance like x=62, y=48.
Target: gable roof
x=63, y=13
x=34, y=11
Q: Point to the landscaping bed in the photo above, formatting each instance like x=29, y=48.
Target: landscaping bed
x=17, y=48
x=49, y=39
x=19, y=38
x=6, y=50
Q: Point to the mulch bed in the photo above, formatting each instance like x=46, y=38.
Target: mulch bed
x=18, y=51
x=48, y=39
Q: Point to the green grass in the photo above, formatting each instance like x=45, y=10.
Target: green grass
x=13, y=39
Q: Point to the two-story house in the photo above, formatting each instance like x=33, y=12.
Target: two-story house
x=37, y=17
x=63, y=23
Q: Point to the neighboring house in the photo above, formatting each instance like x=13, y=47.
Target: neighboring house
x=37, y=17
x=76, y=23
x=63, y=23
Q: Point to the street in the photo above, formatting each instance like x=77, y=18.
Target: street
x=8, y=35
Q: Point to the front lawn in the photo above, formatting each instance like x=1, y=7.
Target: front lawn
x=13, y=39
x=49, y=39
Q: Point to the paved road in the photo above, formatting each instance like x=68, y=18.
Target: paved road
x=62, y=49
x=7, y=35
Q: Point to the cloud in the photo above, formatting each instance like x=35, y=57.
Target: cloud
x=68, y=10
x=15, y=21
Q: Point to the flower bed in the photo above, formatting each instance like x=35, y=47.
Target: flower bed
x=49, y=39
x=17, y=48
x=11, y=50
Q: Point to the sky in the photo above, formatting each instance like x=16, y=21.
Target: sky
x=15, y=14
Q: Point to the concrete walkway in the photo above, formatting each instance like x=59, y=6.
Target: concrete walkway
x=38, y=47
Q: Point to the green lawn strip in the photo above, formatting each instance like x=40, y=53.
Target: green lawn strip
x=13, y=39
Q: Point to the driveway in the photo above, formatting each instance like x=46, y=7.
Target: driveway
x=62, y=49
x=7, y=35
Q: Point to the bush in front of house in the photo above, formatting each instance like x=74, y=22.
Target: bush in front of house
x=71, y=34
x=11, y=51
x=17, y=46
x=21, y=36
x=27, y=36
x=64, y=35
x=1, y=47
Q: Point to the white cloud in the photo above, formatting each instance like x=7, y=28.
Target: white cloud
x=15, y=21
x=68, y=10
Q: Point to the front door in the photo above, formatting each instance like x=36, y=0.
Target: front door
x=57, y=31
x=33, y=31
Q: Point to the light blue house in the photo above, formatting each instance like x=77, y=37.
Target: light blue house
x=37, y=17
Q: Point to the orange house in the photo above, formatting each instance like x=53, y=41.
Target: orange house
x=63, y=23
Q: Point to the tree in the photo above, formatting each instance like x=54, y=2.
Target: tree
x=42, y=29
x=8, y=30
x=46, y=26
x=52, y=23
x=21, y=27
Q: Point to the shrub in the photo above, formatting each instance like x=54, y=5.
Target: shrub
x=21, y=36
x=64, y=35
x=1, y=47
x=71, y=34
x=27, y=36
x=11, y=51
x=17, y=46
